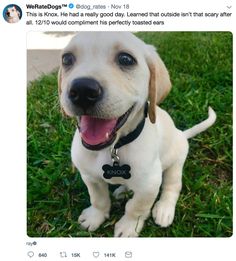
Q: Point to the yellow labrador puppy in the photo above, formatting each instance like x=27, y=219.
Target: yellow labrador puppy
x=105, y=80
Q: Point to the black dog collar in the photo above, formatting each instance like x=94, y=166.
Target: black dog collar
x=134, y=134
x=115, y=170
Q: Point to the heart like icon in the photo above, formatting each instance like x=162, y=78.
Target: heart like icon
x=95, y=254
x=128, y=254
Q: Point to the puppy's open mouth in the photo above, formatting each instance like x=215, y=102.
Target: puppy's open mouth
x=97, y=133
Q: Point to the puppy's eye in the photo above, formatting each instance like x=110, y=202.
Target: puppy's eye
x=68, y=59
x=125, y=59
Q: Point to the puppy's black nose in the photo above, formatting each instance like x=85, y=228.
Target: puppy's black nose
x=85, y=92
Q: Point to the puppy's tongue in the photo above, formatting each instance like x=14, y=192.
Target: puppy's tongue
x=95, y=131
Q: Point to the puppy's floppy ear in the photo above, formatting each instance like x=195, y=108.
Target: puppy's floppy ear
x=59, y=79
x=159, y=83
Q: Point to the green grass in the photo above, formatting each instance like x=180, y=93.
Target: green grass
x=200, y=65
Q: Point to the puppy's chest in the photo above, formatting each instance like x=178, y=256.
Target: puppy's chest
x=92, y=165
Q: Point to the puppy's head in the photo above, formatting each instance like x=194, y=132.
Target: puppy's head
x=105, y=79
x=12, y=12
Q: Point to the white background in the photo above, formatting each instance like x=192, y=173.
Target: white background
x=13, y=147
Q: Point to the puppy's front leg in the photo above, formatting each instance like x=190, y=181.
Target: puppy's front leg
x=164, y=210
x=92, y=217
x=138, y=208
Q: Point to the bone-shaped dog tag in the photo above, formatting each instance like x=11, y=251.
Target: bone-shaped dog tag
x=116, y=171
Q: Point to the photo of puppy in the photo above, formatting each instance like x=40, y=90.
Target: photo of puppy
x=12, y=14
x=112, y=83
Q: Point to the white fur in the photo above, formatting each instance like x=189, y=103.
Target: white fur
x=190, y=133
x=159, y=151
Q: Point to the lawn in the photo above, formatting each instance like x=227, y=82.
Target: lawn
x=200, y=66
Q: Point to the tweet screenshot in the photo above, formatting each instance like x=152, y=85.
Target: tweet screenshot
x=117, y=130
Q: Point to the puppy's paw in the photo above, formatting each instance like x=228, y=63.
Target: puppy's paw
x=119, y=193
x=91, y=218
x=163, y=213
x=128, y=227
